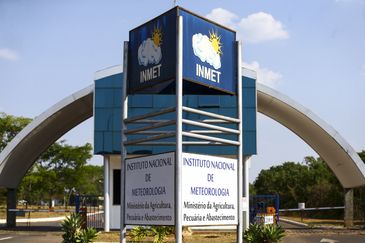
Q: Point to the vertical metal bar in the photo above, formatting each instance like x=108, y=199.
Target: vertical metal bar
x=77, y=203
x=178, y=154
x=240, y=226
x=123, y=229
x=106, y=193
x=246, y=190
x=277, y=207
x=93, y=215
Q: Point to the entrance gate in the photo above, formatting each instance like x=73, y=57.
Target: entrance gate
x=91, y=208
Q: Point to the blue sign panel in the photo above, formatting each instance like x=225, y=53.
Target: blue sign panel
x=209, y=53
x=209, y=56
x=152, y=55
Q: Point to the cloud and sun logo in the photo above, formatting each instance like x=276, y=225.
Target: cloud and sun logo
x=208, y=49
x=149, y=51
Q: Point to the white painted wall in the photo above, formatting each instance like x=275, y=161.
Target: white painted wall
x=114, y=209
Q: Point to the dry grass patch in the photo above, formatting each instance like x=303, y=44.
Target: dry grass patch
x=196, y=237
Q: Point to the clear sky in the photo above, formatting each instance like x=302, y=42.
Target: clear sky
x=313, y=51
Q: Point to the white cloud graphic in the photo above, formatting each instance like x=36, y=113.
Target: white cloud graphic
x=149, y=53
x=204, y=50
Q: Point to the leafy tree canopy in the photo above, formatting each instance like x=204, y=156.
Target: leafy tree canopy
x=10, y=126
x=311, y=182
x=60, y=171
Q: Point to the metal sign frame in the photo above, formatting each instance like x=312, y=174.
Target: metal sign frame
x=204, y=135
x=152, y=56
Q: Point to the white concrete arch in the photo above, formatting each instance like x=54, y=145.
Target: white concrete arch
x=19, y=155
x=320, y=136
x=26, y=147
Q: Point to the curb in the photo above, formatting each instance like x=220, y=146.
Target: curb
x=36, y=220
x=293, y=222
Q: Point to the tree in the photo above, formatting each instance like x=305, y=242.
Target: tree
x=311, y=182
x=325, y=189
x=91, y=180
x=10, y=126
x=289, y=180
x=58, y=172
x=252, y=189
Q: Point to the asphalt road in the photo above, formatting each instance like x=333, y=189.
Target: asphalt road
x=44, y=226
x=39, y=237
x=53, y=237
x=302, y=234
x=50, y=233
x=323, y=238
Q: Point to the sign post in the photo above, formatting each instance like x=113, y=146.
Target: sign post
x=240, y=148
x=179, y=114
x=123, y=229
x=182, y=53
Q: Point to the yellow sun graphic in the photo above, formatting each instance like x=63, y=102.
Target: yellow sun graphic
x=215, y=39
x=157, y=36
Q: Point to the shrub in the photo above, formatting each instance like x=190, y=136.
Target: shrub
x=253, y=234
x=272, y=233
x=139, y=233
x=258, y=233
x=73, y=232
x=159, y=233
